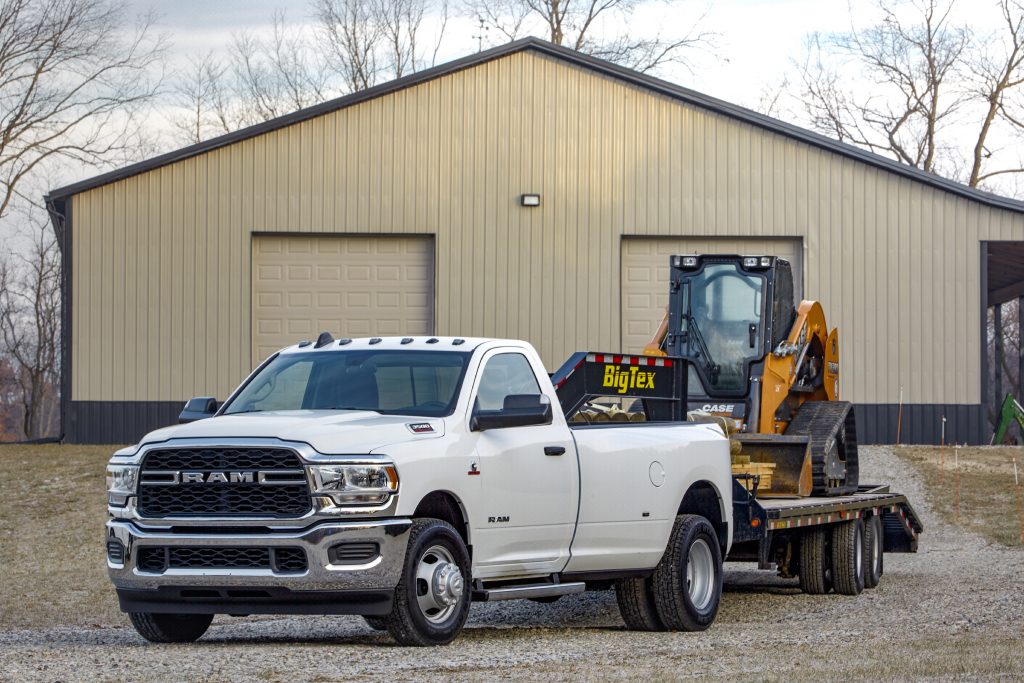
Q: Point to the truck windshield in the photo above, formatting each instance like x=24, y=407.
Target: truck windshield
x=419, y=383
x=723, y=322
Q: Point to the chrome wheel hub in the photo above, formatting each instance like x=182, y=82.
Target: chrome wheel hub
x=439, y=584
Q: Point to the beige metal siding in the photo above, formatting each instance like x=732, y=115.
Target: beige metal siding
x=162, y=272
x=350, y=286
x=645, y=275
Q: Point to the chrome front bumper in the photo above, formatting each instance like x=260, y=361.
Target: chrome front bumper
x=382, y=573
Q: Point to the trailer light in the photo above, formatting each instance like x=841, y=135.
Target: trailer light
x=750, y=262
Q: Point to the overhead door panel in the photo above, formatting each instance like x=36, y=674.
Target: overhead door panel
x=346, y=285
x=645, y=275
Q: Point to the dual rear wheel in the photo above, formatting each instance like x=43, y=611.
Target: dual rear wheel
x=685, y=589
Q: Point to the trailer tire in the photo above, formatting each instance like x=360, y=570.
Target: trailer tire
x=431, y=600
x=170, y=628
x=874, y=551
x=636, y=604
x=848, y=557
x=815, y=576
x=687, y=583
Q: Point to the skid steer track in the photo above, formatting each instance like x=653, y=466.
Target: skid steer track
x=832, y=429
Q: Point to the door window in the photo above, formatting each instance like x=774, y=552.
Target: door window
x=504, y=375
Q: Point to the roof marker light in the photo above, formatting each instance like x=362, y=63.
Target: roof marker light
x=433, y=340
x=407, y=340
x=304, y=343
x=458, y=342
x=375, y=340
x=342, y=342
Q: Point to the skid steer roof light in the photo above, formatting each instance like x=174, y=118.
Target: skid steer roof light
x=766, y=261
x=689, y=262
x=750, y=262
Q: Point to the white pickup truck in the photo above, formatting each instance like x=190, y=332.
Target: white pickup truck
x=402, y=478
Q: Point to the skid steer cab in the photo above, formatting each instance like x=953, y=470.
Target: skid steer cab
x=769, y=365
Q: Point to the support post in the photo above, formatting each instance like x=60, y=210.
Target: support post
x=997, y=375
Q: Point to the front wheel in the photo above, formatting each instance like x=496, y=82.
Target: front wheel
x=432, y=598
x=687, y=583
x=170, y=628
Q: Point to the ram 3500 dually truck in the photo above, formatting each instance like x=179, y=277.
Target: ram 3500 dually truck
x=402, y=478
x=399, y=478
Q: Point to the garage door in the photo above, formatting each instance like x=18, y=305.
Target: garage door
x=645, y=276
x=348, y=286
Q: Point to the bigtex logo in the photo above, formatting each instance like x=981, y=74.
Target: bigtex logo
x=623, y=379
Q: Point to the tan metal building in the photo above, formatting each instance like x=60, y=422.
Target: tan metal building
x=398, y=211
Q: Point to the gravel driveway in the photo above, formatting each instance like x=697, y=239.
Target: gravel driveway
x=954, y=611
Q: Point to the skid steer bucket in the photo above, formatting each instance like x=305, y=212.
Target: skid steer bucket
x=783, y=463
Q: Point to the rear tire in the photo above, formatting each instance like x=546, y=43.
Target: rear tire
x=170, y=628
x=874, y=551
x=687, y=583
x=432, y=597
x=636, y=604
x=848, y=557
x=814, y=564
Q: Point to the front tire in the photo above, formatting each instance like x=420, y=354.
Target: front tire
x=170, y=628
x=432, y=597
x=687, y=583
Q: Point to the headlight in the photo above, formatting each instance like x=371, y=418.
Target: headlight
x=121, y=483
x=355, y=484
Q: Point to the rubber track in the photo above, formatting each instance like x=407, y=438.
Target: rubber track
x=822, y=421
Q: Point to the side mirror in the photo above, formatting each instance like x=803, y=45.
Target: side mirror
x=198, y=408
x=520, y=410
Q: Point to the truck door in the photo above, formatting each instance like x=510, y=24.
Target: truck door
x=528, y=475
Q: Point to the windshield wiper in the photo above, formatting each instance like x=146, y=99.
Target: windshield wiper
x=710, y=366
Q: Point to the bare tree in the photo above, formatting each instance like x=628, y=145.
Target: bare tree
x=277, y=75
x=595, y=27
x=909, y=85
x=30, y=327
x=998, y=70
x=202, y=93
x=72, y=79
x=370, y=39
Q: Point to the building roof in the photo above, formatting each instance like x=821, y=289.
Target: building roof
x=600, y=66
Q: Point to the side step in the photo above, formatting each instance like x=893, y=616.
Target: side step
x=536, y=590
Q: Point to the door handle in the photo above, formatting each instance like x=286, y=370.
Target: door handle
x=554, y=450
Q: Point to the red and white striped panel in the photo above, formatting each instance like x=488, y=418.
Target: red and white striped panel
x=648, y=361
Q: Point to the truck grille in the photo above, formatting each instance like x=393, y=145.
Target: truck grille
x=158, y=559
x=234, y=489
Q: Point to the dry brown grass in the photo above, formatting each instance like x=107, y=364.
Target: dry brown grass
x=52, y=513
x=988, y=497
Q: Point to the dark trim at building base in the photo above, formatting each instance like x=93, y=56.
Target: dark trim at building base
x=922, y=423
x=125, y=422
x=118, y=422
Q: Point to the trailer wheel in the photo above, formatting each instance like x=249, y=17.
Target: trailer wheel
x=170, y=628
x=687, y=583
x=848, y=557
x=432, y=597
x=874, y=549
x=815, y=574
x=636, y=604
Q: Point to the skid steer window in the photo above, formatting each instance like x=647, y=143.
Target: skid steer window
x=725, y=304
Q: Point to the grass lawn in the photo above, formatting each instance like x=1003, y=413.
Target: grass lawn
x=988, y=497
x=52, y=512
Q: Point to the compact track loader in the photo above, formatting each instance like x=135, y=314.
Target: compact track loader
x=769, y=368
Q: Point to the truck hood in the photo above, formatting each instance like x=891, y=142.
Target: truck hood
x=333, y=431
